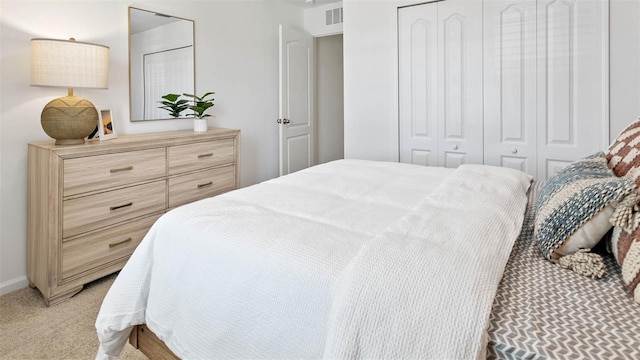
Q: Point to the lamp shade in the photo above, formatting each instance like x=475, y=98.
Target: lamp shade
x=70, y=64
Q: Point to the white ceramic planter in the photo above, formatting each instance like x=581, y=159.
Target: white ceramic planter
x=200, y=125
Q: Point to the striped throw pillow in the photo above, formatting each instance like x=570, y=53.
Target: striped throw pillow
x=623, y=156
x=626, y=249
x=570, y=200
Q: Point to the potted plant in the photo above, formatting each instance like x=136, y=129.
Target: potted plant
x=199, y=105
x=173, y=104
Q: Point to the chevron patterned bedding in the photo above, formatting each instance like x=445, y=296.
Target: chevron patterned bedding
x=544, y=312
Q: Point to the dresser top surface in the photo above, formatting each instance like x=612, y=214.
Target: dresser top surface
x=141, y=141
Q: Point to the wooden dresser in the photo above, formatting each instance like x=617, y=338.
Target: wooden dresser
x=90, y=205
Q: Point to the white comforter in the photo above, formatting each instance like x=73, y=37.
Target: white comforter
x=347, y=259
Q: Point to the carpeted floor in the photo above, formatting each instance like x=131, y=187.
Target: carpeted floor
x=31, y=330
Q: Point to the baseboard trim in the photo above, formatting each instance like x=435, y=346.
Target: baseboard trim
x=13, y=285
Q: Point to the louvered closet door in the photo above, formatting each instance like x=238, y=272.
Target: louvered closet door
x=418, y=84
x=510, y=84
x=572, y=81
x=440, y=83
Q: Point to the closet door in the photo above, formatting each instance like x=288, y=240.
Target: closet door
x=572, y=81
x=440, y=83
x=510, y=84
x=460, y=82
x=418, y=84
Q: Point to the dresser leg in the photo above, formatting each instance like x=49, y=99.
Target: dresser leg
x=58, y=298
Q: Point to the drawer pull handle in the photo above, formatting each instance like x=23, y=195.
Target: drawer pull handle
x=121, y=206
x=121, y=169
x=200, y=186
x=120, y=242
x=205, y=155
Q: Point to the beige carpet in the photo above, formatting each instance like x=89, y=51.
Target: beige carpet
x=30, y=330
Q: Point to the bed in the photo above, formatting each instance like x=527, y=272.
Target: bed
x=364, y=259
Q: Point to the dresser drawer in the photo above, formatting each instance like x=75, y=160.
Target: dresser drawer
x=184, y=158
x=102, y=247
x=94, y=211
x=107, y=171
x=188, y=188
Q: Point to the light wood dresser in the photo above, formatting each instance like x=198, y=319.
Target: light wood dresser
x=90, y=205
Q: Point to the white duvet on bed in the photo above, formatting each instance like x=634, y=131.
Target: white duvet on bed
x=346, y=259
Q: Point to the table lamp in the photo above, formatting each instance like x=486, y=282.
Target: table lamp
x=70, y=64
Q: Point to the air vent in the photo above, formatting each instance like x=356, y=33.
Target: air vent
x=333, y=16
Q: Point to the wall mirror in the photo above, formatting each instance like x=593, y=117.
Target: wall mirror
x=161, y=61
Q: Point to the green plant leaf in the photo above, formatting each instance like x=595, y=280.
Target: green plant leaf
x=173, y=104
x=200, y=104
x=171, y=97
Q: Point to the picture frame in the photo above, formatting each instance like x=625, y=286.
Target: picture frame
x=106, y=128
x=94, y=134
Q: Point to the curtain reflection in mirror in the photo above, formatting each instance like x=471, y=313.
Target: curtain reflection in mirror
x=166, y=72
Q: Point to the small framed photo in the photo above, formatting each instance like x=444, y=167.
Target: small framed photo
x=106, y=129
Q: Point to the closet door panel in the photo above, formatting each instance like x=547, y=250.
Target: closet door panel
x=460, y=82
x=572, y=81
x=422, y=157
x=417, y=57
x=510, y=84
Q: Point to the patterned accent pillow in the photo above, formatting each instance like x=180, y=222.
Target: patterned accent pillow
x=623, y=156
x=569, y=202
x=626, y=249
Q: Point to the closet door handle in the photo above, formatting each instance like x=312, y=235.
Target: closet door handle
x=455, y=147
x=514, y=151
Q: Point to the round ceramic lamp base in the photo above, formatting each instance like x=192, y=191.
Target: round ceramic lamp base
x=69, y=119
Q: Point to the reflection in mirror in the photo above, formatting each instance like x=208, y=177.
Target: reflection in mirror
x=161, y=61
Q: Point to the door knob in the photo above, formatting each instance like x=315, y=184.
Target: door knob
x=455, y=147
x=514, y=151
x=285, y=121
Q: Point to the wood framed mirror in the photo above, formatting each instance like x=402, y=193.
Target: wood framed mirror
x=161, y=61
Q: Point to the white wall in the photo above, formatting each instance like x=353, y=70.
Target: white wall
x=315, y=21
x=370, y=80
x=370, y=62
x=624, y=62
x=329, y=99
x=236, y=56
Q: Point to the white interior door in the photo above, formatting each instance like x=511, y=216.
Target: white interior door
x=440, y=83
x=460, y=82
x=296, y=120
x=510, y=84
x=572, y=82
x=418, y=84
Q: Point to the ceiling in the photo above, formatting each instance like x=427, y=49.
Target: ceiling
x=144, y=20
x=303, y=4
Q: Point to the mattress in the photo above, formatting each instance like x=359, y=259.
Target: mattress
x=544, y=312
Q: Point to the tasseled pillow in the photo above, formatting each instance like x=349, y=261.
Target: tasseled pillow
x=574, y=206
x=625, y=246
